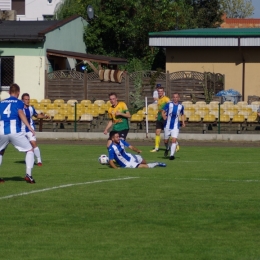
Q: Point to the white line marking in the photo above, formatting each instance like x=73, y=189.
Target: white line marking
x=234, y=162
x=64, y=186
x=220, y=180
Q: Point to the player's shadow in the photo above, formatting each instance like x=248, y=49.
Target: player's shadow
x=14, y=178
x=21, y=162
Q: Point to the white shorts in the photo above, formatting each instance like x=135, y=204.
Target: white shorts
x=30, y=136
x=173, y=133
x=18, y=140
x=135, y=161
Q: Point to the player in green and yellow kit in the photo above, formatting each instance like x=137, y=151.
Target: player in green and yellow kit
x=118, y=114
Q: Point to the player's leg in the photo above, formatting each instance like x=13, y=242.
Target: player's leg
x=151, y=165
x=167, y=136
x=159, y=127
x=22, y=144
x=123, y=134
x=174, y=135
x=36, y=150
x=4, y=140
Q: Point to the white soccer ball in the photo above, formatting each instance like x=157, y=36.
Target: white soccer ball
x=103, y=159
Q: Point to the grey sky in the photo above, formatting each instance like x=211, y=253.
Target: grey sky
x=256, y=4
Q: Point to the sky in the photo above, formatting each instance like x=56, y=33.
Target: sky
x=256, y=4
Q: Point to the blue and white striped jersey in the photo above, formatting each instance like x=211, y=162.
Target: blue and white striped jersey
x=173, y=111
x=29, y=112
x=10, y=122
x=117, y=153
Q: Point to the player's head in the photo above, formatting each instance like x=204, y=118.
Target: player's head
x=115, y=138
x=158, y=86
x=113, y=98
x=160, y=91
x=14, y=90
x=26, y=99
x=175, y=97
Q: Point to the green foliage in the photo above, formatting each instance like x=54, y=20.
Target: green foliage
x=237, y=8
x=121, y=28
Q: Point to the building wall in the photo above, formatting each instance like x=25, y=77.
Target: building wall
x=224, y=60
x=68, y=37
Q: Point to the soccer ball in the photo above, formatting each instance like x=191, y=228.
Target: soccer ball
x=103, y=159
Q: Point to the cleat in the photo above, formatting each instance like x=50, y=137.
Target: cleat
x=160, y=164
x=171, y=157
x=177, y=148
x=166, y=152
x=39, y=164
x=154, y=150
x=2, y=180
x=29, y=179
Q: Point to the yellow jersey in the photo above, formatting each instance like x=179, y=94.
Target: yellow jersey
x=161, y=103
x=119, y=122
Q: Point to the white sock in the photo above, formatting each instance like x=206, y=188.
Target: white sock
x=173, y=148
x=152, y=165
x=29, y=160
x=37, y=153
x=1, y=158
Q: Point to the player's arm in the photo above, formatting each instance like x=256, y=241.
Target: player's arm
x=45, y=116
x=134, y=149
x=183, y=117
x=125, y=114
x=109, y=124
x=112, y=164
x=24, y=119
x=164, y=115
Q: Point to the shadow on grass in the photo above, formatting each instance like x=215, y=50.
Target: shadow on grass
x=22, y=162
x=15, y=178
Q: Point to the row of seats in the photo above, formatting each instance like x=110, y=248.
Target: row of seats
x=68, y=118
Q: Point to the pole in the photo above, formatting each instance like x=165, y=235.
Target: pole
x=146, y=116
x=218, y=118
x=75, y=117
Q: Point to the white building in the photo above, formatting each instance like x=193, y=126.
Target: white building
x=31, y=10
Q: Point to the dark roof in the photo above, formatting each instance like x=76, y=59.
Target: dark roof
x=89, y=57
x=210, y=32
x=29, y=30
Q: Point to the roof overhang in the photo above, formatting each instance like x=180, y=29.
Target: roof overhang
x=213, y=37
x=204, y=41
x=87, y=57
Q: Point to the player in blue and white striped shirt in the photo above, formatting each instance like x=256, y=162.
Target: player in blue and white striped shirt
x=29, y=112
x=11, y=115
x=127, y=160
x=171, y=113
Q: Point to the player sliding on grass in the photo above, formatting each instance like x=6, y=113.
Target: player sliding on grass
x=127, y=160
x=171, y=113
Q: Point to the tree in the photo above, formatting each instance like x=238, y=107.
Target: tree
x=237, y=8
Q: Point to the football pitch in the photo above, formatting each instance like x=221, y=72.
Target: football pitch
x=204, y=205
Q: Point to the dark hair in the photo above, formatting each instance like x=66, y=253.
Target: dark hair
x=14, y=88
x=25, y=95
x=112, y=134
x=158, y=85
x=112, y=94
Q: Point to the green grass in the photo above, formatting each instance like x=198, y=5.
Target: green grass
x=203, y=205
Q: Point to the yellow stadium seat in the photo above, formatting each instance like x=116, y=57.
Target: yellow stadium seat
x=224, y=118
x=202, y=112
x=105, y=107
x=59, y=101
x=33, y=100
x=65, y=106
x=151, y=118
x=86, y=117
x=46, y=100
x=59, y=117
x=99, y=102
x=231, y=112
x=153, y=106
x=141, y=113
x=109, y=103
x=209, y=118
x=85, y=102
x=72, y=102
x=72, y=117
x=52, y=112
x=136, y=118
x=194, y=118
x=238, y=119
x=93, y=106
x=189, y=113
x=51, y=106
x=256, y=103
x=253, y=118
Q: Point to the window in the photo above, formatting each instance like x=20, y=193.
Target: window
x=19, y=6
x=6, y=72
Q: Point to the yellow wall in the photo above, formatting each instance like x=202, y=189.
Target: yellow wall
x=224, y=60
